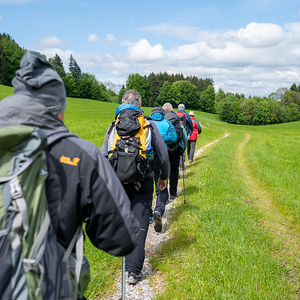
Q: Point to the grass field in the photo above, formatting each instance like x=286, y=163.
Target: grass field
x=238, y=236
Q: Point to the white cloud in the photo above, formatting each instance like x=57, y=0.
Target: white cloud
x=50, y=42
x=110, y=38
x=1, y=17
x=255, y=60
x=93, y=38
x=261, y=35
x=142, y=51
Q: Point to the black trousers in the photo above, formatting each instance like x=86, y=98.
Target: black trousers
x=161, y=196
x=174, y=173
x=141, y=202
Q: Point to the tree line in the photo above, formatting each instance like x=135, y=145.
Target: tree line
x=157, y=89
x=279, y=107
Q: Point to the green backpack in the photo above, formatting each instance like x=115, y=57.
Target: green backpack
x=33, y=264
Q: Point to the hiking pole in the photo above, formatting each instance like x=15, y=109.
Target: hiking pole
x=183, y=175
x=123, y=277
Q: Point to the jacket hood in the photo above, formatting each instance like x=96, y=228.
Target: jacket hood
x=157, y=117
x=126, y=106
x=38, y=79
x=24, y=110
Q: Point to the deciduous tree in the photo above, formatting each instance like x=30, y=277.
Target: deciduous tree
x=165, y=94
x=184, y=92
x=138, y=83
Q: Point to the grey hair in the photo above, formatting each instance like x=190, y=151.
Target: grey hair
x=132, y=97
x=167, y=107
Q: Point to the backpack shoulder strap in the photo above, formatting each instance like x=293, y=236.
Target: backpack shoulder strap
x=78, y=242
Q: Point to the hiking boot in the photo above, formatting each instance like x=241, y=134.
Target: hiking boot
x=134, y=278
x=158, y=222
x=151, y=217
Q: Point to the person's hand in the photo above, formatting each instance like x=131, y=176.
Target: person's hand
x=162, y=184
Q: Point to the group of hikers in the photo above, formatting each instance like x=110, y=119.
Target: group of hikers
x=109, y=189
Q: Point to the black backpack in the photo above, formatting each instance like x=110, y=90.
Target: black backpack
x=173, y=118
x=129, y=146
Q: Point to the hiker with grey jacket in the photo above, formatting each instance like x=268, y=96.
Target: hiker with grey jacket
x=140, y=193
x=81, y=185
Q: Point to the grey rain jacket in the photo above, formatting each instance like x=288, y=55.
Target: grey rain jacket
x=81, y=186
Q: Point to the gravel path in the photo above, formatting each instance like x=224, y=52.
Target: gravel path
x=143, y=290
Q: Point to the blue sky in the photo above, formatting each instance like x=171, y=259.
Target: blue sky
x=245, y=46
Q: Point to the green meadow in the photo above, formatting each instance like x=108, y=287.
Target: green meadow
x=238, y=235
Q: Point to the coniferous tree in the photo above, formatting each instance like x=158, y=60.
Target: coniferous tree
x=57, y=63
x=293, y=87
x=153, y=89
x=74, y=68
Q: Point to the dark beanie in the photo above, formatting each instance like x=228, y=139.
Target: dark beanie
x=38, y=79
x=158, y=110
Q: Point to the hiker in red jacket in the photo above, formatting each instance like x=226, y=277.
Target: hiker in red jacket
x=193, y=137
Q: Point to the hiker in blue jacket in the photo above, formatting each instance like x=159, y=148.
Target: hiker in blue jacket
x=168, y=133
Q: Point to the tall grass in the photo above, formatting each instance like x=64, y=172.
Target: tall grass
x=238, y=236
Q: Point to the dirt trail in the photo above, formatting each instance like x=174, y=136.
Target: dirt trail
x=145, y=289
x=274, y=220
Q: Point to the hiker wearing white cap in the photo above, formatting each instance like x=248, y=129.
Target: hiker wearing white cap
x=193, y=137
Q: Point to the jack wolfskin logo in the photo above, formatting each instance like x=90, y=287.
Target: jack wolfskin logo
x=68, y=161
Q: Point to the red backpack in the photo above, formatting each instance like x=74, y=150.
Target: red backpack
x=181, y=116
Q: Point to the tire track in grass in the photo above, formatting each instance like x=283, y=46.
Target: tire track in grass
x=199, y=151
x=278, y=224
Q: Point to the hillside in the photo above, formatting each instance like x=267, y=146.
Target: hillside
x=238, y=235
